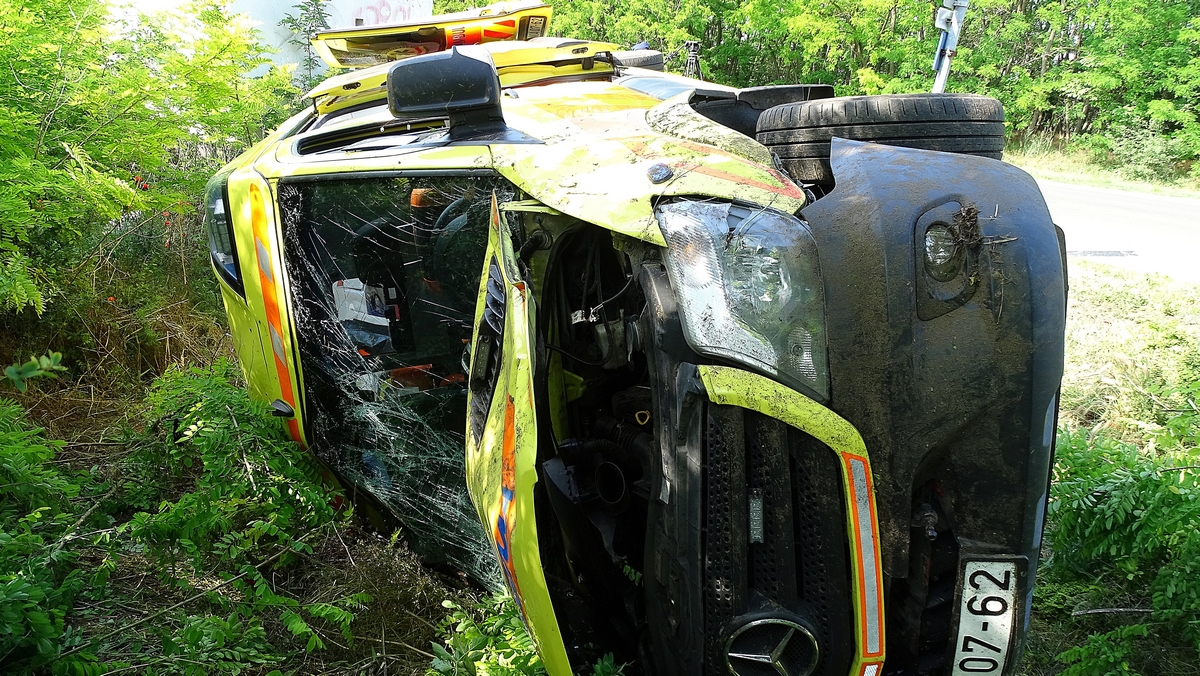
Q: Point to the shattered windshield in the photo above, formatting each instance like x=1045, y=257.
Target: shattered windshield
x=385, y=273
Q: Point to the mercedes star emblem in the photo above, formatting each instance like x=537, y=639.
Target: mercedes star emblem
x=771, y=645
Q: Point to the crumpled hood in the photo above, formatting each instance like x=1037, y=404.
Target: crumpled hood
x=599, y=148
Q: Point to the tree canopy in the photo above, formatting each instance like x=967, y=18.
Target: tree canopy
x=1114, y=74
x=103, y=117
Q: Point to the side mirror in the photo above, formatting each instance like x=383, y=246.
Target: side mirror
x=280, y=409
x=461, y=85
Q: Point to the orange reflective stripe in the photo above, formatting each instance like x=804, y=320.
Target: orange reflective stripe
x=266, y=280
x=864, y=522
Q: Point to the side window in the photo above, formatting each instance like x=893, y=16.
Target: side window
x=217, y=222
x=395, y=262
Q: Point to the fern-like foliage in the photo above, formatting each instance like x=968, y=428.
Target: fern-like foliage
x=36, y=589
x=1135, y=514
x=18, y=289
x=46, y=366
x=488, y=640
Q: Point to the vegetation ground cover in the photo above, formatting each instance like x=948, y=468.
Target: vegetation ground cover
x=1119, y=584
x=1066, y=165
x=154, y=520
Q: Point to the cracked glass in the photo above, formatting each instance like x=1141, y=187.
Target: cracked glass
x=385, y=274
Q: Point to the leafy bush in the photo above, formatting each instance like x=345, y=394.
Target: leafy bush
x=226, y=496
x=253, y=497
x=1144, y=154
x=252, y=488
x=102, y=120
x=489, y=640
x=1132, y=518
x=37, y=586
x=110, y=125
x=1106, y=654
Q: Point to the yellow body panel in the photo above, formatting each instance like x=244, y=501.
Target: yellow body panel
x=501, y=467
x=517, y=63
x=276, y=375
x=599, y=147
x=735, y=387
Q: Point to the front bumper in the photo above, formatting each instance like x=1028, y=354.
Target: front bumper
x=764, y=514
x=951, y=387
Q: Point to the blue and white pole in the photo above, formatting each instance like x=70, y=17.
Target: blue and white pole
x=949, y=20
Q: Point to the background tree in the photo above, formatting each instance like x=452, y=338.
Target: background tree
x=1120, y=78
x=310, y=18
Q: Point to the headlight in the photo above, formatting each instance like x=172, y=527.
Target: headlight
x=943, y=256
x=749, y=288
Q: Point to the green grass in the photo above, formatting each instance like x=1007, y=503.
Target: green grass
x=1133, y=341
x=1074, y=166
x=1119, y=582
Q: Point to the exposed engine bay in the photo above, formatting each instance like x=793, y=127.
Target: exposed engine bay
x=599, y=484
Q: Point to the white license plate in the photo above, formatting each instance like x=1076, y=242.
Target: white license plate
x=985, y=617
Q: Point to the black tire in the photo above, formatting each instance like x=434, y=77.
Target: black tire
x=800, y=133
x=649, y=59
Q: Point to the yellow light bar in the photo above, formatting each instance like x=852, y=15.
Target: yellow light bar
x=369, y=46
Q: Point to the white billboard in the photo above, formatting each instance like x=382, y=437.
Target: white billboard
x=348, y=13
x=266, y=15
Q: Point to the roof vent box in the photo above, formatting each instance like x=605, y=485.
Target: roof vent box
x=460, y=85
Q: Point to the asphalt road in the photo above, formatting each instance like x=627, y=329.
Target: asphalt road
x=1140, y=231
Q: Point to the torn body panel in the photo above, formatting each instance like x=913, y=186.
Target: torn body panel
x=502, y=436
x=599, y=151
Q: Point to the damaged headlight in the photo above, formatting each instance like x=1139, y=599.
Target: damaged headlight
x=749, y=288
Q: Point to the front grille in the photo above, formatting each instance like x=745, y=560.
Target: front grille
x=725, y=530
x=797, y=562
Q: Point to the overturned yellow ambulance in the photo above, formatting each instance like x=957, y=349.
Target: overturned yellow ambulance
x=722, y=381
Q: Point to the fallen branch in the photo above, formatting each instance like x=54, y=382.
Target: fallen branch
x=1110, y=611
x=65, y=536
x=184, y=602
x=402, y=644
x=418, y=617
x=1176, y=469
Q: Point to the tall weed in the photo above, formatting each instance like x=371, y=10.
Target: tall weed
x=37, y=583
x=1130, y=519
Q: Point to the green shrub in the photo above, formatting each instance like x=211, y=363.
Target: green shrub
x=489, y=640
x=1145, y=154
x=1133, y=518
x=251, y=488
x=1106, y=654
x=252, y=495
x=37, y=586
x=218, y=492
